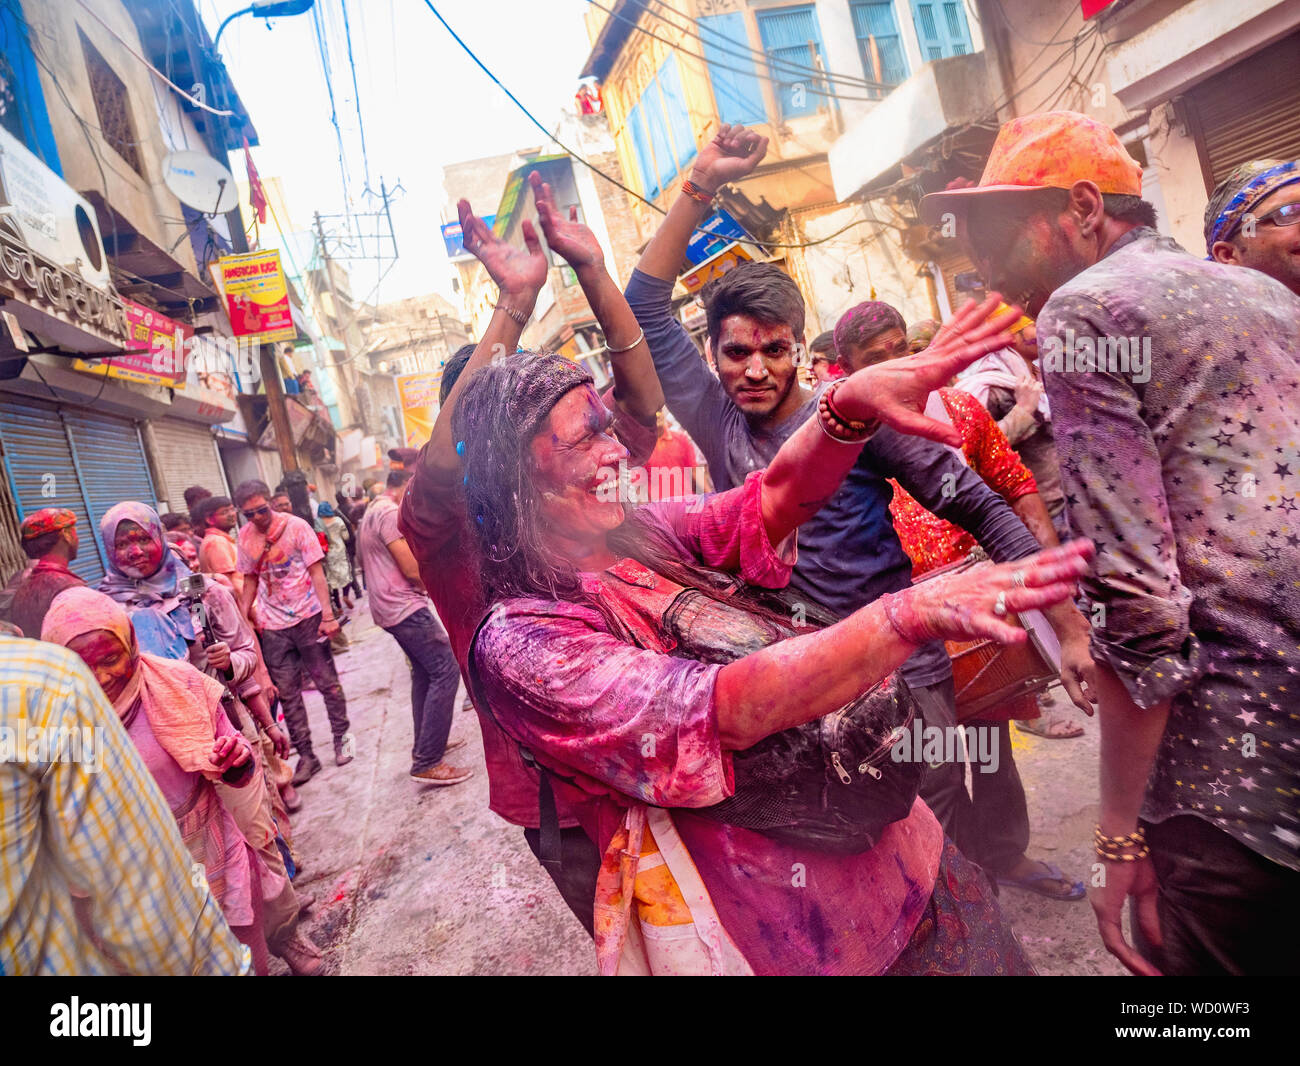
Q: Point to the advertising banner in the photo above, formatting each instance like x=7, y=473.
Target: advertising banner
x=157, y=348
x=257, y=296
x=418, y=396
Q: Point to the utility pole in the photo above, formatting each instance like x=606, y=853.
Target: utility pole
x=275, y=405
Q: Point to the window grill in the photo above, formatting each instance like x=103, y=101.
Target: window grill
x=112, y=106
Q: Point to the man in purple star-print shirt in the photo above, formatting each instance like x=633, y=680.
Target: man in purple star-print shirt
x=1175, y=393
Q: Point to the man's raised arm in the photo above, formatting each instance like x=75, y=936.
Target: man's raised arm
x=692, y=393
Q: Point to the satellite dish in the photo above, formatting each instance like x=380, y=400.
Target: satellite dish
x=199, y=181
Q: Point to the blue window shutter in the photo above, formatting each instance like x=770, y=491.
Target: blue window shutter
x=941, y=28
x=737, y=92
x=786, y=32
x=875, y=21
x=33, y=119
x=652, y=113
x=644, y=160
x=679, y=119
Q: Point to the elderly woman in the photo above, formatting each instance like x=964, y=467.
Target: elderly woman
x=174, y=715
x=144, y=576
x=639, y=657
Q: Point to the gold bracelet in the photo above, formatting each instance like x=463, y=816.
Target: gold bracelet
x=1126, y=857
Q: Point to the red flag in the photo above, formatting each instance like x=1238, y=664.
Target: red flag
x=256, y=194
x=1093, y=7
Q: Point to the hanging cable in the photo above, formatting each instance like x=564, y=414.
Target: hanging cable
x=166, y=80
x=356, y=93
x=809, y=74
x=595, y=169
x=748, y=52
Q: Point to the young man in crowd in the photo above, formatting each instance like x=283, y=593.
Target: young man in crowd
x=215, y=520
x=993, y=827
x=399, y=605
x=281, y=560
x=1253, y=220
x=1176, y=396
x=49, y=539
x=825, y=364
x=849, y=553
x=194, y=496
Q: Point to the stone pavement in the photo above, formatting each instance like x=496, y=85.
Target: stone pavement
x=412, y=879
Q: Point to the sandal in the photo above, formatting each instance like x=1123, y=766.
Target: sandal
x=1061, y=727
x=1037, y=882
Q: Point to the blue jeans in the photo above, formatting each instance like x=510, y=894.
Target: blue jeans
x=434, y=679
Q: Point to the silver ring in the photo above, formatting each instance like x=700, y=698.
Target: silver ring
x=1018, y=578
x=1000, y=605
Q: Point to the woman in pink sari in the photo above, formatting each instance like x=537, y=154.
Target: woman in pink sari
x=173, y=714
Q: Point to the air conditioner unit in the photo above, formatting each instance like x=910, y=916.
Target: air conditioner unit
x=55, y=222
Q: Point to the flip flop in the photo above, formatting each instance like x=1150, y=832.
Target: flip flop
x=1033, y=882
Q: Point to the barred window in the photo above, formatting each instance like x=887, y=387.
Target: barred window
x=111, y=105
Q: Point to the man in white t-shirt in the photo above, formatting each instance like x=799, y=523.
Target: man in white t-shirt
x=398, y=603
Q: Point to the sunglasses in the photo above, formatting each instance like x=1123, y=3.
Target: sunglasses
x=264, y=509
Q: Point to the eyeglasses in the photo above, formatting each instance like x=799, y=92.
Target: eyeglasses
x=264, y=509
x=1286, y=215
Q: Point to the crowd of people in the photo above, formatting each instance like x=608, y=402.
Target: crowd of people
x=686, y=698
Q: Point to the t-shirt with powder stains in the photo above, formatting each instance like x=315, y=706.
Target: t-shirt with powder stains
x=1189, y=483
x=285, y=595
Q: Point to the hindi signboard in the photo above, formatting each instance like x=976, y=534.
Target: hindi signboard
x=257, y=296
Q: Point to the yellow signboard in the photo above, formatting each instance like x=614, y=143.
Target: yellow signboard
x=418, y=396
x=257, y=296
x=715, y=266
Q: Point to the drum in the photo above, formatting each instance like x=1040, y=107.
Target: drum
x=987, y=674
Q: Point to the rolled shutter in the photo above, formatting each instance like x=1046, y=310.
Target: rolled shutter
x=110, y=461
x=184, y=454
x=42, y=472
x=1251, y=110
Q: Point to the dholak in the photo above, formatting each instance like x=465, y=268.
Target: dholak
x=987, y=674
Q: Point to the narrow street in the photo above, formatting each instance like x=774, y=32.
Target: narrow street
x=411, y=879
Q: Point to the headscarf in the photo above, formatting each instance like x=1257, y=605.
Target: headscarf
x=162, y=629
x=1240, y=192
x=46, y=520
x=180, y=702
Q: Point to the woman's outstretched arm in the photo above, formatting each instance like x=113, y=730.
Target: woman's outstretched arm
x=810, y=466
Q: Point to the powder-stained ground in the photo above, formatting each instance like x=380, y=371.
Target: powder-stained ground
x=411, y=879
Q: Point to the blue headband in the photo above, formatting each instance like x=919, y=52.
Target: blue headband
x=1262, y=185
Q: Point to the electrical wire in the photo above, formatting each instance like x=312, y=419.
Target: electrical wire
x=166, y=80
x=595, y=169
x=748, y=52
x=356, y=93
x=713, y=65
x=323, y=52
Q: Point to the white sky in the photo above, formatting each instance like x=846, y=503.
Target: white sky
x=424, y=103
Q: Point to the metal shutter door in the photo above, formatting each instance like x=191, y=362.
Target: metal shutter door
x=43, y=472
x=184, y=454
x=110, y=460
x=1251, y=110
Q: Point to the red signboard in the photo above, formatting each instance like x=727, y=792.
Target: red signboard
x=156, y=350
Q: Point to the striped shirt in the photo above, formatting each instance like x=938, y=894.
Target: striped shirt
x=81, y=816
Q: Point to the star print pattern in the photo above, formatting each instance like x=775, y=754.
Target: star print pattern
x=1188, y=483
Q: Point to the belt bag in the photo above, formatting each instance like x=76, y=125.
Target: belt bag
x=830, y=784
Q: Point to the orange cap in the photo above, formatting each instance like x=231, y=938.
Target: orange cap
x=1050, y=150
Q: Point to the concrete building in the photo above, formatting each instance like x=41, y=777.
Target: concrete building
x=799, y=74
x=104, y=267
x=1192, y=88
